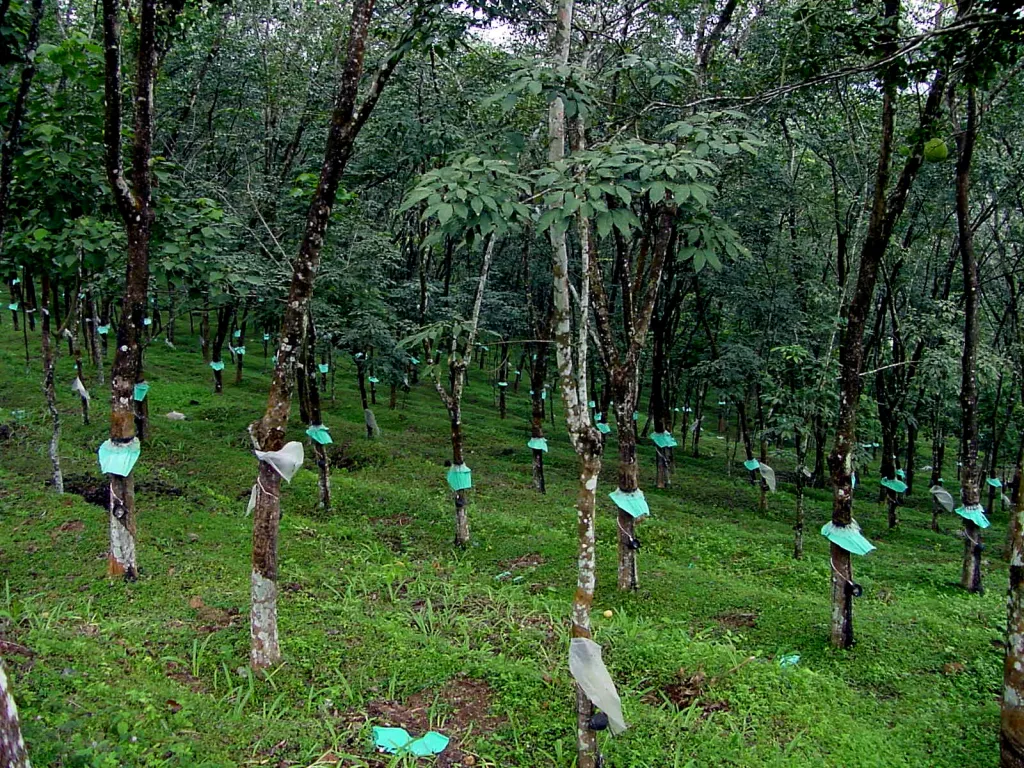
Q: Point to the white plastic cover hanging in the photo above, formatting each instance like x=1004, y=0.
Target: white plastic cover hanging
x=286, y=462
x=768, y=475
x=79, y=388
x=252, y=501
x=943, y=497
x=589, y=671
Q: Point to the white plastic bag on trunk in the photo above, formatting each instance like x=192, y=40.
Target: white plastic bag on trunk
x=79, y=388
x=589, y=671
x=286, y=462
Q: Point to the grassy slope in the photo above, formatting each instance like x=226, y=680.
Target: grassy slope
x=379, y=607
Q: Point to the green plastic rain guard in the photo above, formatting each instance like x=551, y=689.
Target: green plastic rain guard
x=901, y=474
x=397, y=741
x=664, y=440
x=636, y=415
x=502, y=383
x=544, y=395
x=119, y=458
x=460, y=477
x=141, y=390
x=519, y=373
x=848, y=537
x=591, y=404
x=102, y=330
x=721, y=402
x=323, y=367
x=374, y=380
x=318, y=433
x=414, y=360
x=853, y=481
x=995, y=482
x=238, y=334
x=597, y=416
x=239, y=351
x=13, y=306
x=751, y=464
x=894, y=485
x=603, y=428
x=147, y=321
x=975, y=513
x=217, y=365
x=274, y=359
x=15, y=281
x=538, y=444
x=484, y=348
x=266, y=337
x=632, y=502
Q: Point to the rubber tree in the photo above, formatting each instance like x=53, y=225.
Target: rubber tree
x=348, y=117
x=970, y=476
x=571, y=359
x=886, y=208
x=13, y=753
x=133, y=200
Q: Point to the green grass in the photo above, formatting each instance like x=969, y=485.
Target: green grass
x=380, y=616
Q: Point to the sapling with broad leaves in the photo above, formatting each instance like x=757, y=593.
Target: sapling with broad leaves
x=476, y=198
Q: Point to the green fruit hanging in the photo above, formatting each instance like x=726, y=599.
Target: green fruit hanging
x=935, y=151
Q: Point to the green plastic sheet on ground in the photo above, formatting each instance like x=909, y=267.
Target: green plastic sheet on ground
x=894, y=485
x=102, y=330
x=975, y=513
x=664, y=440
x=631, y=502
x=538, y=444
x=995, y=482
x=397, y=741
x=119, y=458
x=318, y=433
x=217, y=365
x=751, y=464
x=848, y=537
x=141, y=390
x=603, y=428
x=460, y=477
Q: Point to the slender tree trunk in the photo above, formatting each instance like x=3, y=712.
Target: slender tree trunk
x=240, y=344
x=970, y=492
x=625, y=405
x=538, y=375
x=49, y=366
x=94, y=337
x=938, y=457
x=1011, y=738
x=268, y=433
x=13, y=753
x=800, y=439
x=223, y=327
x=323, y=462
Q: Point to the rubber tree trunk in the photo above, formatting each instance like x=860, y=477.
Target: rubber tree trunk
x=49, y=392
x=800, y=439
x=361, y=381
x=269, y=432
x=628, y=479
x=538, y=375
x=503, y=380
x=94, y=336
x=323, y=462
x=970, y=493
x=1011, y=738
x=223, y=327
x=13, y=753
x=240, y=344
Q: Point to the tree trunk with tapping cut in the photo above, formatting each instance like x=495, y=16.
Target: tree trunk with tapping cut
x=268, y=432
x=13, y=753
x=49, y=365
